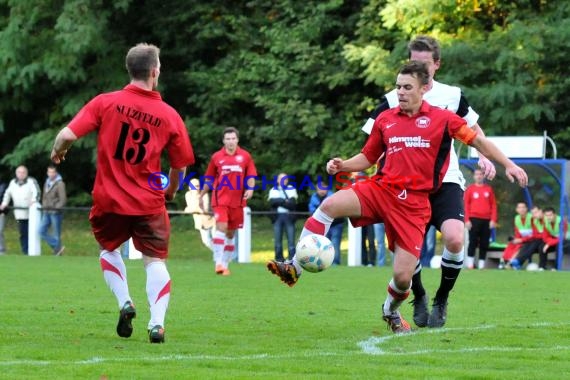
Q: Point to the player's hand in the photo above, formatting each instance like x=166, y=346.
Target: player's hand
x=492, y=224
x=468, y=225
x=487, y=167
x=334, y=166
x=515, y=172
x=169, y=193
x=248, y=194
x=58, y=157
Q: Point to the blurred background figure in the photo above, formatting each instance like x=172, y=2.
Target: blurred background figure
x=323, y=191
x=283, y=200
x=522, y=233
x=53, y=200
x=380, y=235
x=204, y=222
x=480, y=217
x=23, y=191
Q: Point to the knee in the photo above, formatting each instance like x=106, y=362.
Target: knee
x=327, y=206
x=454, y=242
x=403, y=280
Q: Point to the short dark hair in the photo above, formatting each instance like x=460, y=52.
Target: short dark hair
x=549, y=209
x=416, y=69
x=425, y=43
x=141, y=59
x=230, y=130
x=52, y=166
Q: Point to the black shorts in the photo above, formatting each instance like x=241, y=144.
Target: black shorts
x=446, y=203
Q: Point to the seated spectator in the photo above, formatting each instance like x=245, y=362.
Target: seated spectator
x=522, y=232
x=533, y=244
x=550, y=235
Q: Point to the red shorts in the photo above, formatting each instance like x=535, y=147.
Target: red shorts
x=233, y=216
x=150, y=233
x=405, y=214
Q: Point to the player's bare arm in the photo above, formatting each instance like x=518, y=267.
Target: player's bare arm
x=512, y=171
x=248, y=193
x=484, y=163
x=174, y=176
x=63, y=141
x=354, y=164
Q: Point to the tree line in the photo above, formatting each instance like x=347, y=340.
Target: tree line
x=298, y=79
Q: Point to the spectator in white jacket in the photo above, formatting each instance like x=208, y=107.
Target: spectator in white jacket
x=23, y=191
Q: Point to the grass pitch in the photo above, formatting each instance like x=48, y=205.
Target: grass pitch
x=58, y=322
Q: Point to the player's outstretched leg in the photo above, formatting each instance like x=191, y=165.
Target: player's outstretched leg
x=286, y=271
x=289, y=271
x=421, y=299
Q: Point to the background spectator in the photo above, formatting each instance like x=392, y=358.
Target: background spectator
x=53, y=200
x=533, y=244
x=283, y=200
x=23, y=191
x=3, y=187
x=522, y=233
x=335, y=231
x=550, y=235
x=368, y=251
x=428, y=249
x=380, y=235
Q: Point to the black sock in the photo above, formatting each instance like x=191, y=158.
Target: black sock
x=417, y=287
x=448, y=277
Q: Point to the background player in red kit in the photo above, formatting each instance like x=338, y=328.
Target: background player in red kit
x=134, y=126
x=231, y=175
x=416, y=138
x=480, y=217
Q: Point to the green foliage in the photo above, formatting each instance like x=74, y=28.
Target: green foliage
x=297, y=78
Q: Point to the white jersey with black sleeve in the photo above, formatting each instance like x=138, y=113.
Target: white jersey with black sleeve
x=443, y=96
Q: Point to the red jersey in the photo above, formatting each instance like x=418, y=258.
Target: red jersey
x=134, y=127
x=480, y=202
x=227, y=174
x=417, y=147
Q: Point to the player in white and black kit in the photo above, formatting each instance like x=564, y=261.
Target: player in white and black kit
x=447, y=202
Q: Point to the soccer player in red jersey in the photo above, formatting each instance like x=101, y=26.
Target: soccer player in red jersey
x=480, y=217
x=134, y=126
x=231, y=176
x=415, y=138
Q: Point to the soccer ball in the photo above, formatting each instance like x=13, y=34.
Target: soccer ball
x=315, y=253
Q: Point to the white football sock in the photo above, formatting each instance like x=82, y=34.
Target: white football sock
x=115, y=275
x=218, y=243
x=158, y=292
x=229, y=250
x=394, y=298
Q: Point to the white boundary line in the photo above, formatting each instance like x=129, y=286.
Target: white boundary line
x=369, y=346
